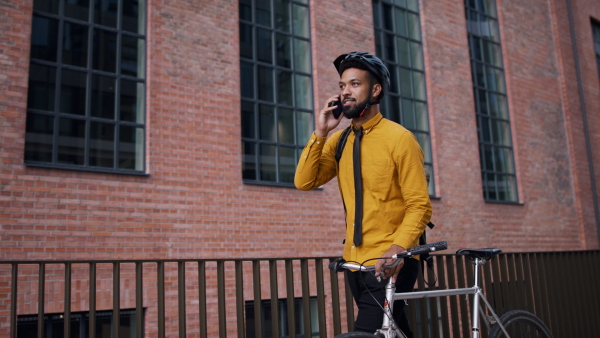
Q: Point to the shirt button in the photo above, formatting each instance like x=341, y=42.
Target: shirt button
x=353, y=247
x=318, y=142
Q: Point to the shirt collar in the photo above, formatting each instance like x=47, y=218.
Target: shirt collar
x=367, y=126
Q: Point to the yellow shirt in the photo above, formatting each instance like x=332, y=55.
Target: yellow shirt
x=396, y=205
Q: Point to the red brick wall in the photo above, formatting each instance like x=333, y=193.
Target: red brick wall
x=193, y=203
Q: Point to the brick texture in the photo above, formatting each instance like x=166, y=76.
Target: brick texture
x=193, y=203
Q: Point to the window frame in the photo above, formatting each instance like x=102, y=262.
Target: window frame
x=252, y=161
x=87, y=145
x=496, y=150
x=404, y=62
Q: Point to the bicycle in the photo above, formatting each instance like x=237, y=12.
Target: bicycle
x=514, y=323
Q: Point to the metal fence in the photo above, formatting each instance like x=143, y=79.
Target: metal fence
x=299, y=297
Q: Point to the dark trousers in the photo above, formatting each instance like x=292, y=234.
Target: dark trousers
x=369, y=295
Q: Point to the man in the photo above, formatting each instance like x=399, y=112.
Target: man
x=387, y=203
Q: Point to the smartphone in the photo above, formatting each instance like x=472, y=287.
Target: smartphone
x=338, y=110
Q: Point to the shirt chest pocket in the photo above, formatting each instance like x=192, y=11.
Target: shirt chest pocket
x=378, y=177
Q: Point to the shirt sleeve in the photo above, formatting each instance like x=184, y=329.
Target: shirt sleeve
x=317, y=164
x=413, y=183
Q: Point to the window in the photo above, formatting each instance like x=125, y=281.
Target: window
x=27, y=325
x=596, y=32
x=491, y=107
x=284, y=327
x=276, y=88
x=85, y=107
x=399, y=45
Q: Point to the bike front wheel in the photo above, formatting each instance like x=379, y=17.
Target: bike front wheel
x=520, y=324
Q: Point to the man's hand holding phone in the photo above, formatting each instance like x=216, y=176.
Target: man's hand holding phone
x=329, y=117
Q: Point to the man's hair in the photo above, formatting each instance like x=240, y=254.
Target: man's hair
x=359, y=65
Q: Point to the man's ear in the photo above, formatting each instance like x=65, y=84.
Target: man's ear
x=376, y=90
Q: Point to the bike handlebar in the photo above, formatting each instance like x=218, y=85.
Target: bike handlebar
x=340, y=264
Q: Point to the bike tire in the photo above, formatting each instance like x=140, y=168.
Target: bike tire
x=356, y=334
x=519, y=323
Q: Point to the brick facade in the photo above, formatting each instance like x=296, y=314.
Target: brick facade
x=193, y=203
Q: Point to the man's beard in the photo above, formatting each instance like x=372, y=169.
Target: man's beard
x=354, y=110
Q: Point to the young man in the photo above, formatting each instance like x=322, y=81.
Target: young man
x=381, y=179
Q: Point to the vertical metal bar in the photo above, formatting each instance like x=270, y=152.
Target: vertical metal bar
x=306, y=297
x=349, y=304
x=498, y=299
x=538, y=288
x=424, y=305
x=550, y=263
x=161, y=298
x=139, y=299
x=221, y=299
x=525, y=287
x=274, y=298
x=488, y=290
x=181, y=297
x=92, y=291
x=321, y=298
x=463, y=301
x=258, y=311
x=441, y=278
x=591, y=261
x=514, y=283
x=289, y=281
x=239, y=297
x=13, y=300
x=116, y=313
x=202, y=298
x=453, y=300
x=67, y=301
x=335, y=301
x=41, y=299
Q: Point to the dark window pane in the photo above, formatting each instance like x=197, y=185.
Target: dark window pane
x=132, y=101
x=248, y=120
x=302, y=56
x=72, y=92
x=267, y=123
x=285, y=92
x=287, y=164
x=44, y=38
x=264, y=48
x=131, y=146
x=105, y=12
x=132, y=56
x=300, y=21
x=48, y=6
x=284, y=50
x=103, y=97
x=102, y=144
x=249, y=161
x=133, y=16
x=265, y=84
x=75, y=41
x=71, y=141
x=304, y=121
x=104, y=55
x=245, y=10
x=303, y=91
x=268, y=163
x=263, y=12
x=246, y=41
x=247, y=81
x=282, y=15
x=77, y=9
x=38, y=140
x=285, y=125
x=41, y=89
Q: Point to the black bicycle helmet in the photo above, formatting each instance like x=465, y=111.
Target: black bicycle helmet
x=373, y=64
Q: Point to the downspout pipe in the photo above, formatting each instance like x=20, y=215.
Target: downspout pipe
x=584, y=116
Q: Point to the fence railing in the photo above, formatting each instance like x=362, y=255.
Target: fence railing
x=299, y=297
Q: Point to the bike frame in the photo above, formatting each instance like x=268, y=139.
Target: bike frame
x=389, y=330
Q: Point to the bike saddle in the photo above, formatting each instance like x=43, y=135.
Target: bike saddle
x=479, y=253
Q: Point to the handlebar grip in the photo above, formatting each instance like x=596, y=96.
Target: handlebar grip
x=421, y=249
